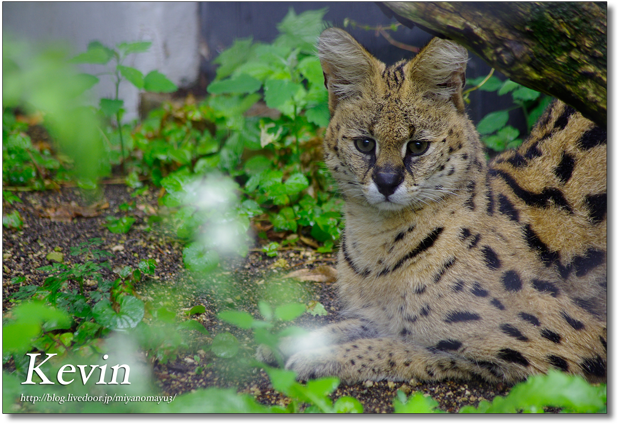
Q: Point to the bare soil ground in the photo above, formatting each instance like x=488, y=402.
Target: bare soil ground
x=247, y=281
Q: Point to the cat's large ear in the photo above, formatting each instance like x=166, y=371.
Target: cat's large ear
x=347, y=66
x=441, y=66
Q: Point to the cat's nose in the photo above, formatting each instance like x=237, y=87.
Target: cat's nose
x=387, y=181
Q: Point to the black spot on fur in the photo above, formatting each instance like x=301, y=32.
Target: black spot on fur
x=490, y=198
x=474, y=241
x=540, y=200
x=411, y=318
x=603, y=342
x=464, y=233
x=562, y=121
x=407, y=363
x=495, y=302
x=510, y=355
x=513, y=332
x=404, y=332
x=550, y=335
x=458, y=286
x=594, y=366
x=490, y=258
x=576, y=324
x=507, y=208
x=425, y=311
x=477, y=290
x=469, y=203
x=529, y=318
x=491, y=367
x=585, y=264
x=464, y=156
x=592, y=306
x=349, y=261
x=445, y=267
x=559, y=363
x=450, y=171
x=399, y=236
x=533, y=152
x=391, y=363
x=448, y=345
x=352, y=362
x=565, y=168
x=512, y=281
x=547, y=256
x=592, y=138
x=517, y=160
x=420, y=290
x=461, y=316
x=424, y=245
x=597, y=207
x=546, y=287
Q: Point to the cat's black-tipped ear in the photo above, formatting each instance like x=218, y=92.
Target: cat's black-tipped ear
x=441, y=65
x=347, y=66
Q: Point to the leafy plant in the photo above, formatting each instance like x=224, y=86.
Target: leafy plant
x=493, y=127
x=88, y=314
x=99, y=54
x=13, y=220
x=556, y=389
x=42, y=89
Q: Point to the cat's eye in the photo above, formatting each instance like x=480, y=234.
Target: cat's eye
x=365, y=145
x=417, y=147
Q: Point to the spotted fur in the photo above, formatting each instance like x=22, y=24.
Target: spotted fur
x=450, y=267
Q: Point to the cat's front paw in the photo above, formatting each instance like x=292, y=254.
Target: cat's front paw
x=314, y=364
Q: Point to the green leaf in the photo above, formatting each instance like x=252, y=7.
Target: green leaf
x=265, y=310
x=256, y=165
x=417, y=404
x=194, y=325
x=232, y=57
x=129, y=315
x=507, y=87
x=120, y=225
x=13, y=220
x=135, y=47
x=17, y=337
x=225, y=345
x=525, y=94
x=158, y=83
x=281, y=380
x=147, y=266
x=277, y=92
x=301, y=30
x=318, y=309
x=239, y=318
x=241, y=84
x=348, y=405
x=493, y=122
x=318, y=114
x=310, y=68
x=271, y=249
x=197, y=259
x=196, y=310
x=492, y=83
x=41, y=314
x=132, y=75
x=110, y=107
x=86, y=332
x=555, y=389
x=284, y=220
x=289, y=311
x=296, y=183
x=95, y=54
x=86, y=81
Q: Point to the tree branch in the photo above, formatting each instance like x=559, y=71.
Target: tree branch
x=557, y=48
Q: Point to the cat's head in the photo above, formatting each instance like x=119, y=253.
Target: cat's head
x=398, y=135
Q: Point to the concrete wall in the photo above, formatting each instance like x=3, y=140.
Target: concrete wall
x=172, y=27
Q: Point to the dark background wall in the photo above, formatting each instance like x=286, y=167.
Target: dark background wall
x=223, y=22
